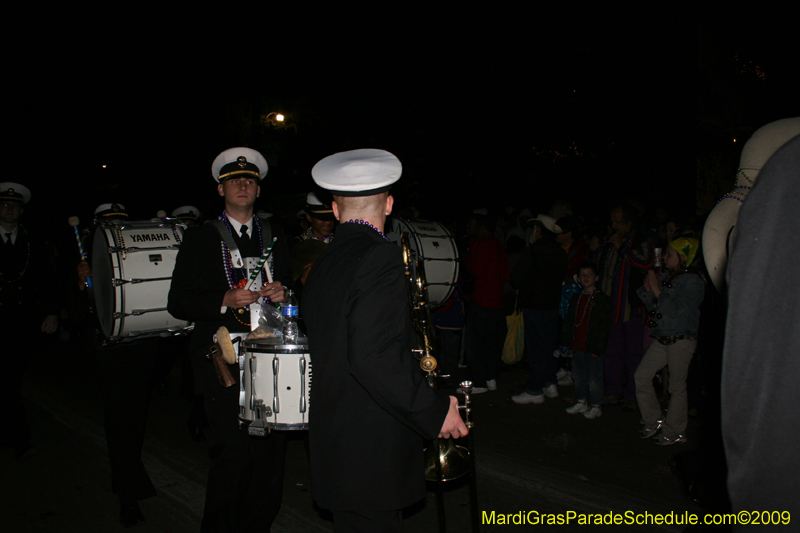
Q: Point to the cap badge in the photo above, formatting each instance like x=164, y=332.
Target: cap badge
x=242, y=161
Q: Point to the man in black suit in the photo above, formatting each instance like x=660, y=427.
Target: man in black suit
x=370, y=406
x=26, y=310
x=246, y=475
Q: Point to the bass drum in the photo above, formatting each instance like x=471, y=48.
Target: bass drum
x=434, y=244
x=132, y=266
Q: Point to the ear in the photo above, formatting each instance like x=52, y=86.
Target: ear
x=335, y=208
x=389, y=205
x=308, y=217
x=220, y=190
x=258, y=191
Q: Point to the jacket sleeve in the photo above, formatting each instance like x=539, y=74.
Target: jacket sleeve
x=195, y=293
x=381, y=360
x=601, y=322
x=639, y=255
x=523, y=270
x=647, y=297
x=687, y=293
x=568, y=322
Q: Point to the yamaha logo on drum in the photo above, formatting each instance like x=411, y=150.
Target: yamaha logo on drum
x=151, y=237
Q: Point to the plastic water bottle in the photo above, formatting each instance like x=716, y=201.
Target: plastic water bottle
x=290, y=311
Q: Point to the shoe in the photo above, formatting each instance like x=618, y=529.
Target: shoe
x=648, y=431
x=663, y=440
x=565, y=380
x=551, y=391
x=525, y=397
x=611, y=400
x=579, y=407
x=491, y=384
x=131, y=516
x=594, y=412
x=475, y=390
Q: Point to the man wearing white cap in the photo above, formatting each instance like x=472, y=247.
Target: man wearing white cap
x=320, y=219
x=26, y=310
x=538, y=276
x=246, y=475
x=371, y=405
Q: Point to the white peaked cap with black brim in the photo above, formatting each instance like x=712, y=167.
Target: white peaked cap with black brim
x=363, y=172
x=239, y=162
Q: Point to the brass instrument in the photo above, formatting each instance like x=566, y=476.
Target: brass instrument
x=444, y=460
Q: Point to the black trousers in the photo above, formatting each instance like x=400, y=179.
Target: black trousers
x=245, y=480
x=126, y=377
x=15, y=352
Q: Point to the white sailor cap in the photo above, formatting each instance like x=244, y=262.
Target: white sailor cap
x=358, y=172
x=14, y=192
x=239, y=161
x=110, y=210
x=317, y=209
x=186, y=211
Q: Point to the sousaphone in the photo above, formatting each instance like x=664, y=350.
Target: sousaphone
x=444, y=459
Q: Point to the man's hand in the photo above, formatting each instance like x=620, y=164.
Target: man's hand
x=274, y=291
x=239, y=298
x=652, y=280
x=616, y=240
x=306, y=272
x=453, y=426
x=50, y=324
x=84, y=271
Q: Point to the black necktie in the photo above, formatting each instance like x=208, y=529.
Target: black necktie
x=8, y=240
x=245, y=236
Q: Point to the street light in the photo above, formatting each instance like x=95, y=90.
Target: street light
x=273, y=118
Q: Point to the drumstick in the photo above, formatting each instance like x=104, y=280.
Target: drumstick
x=261, y=261
x=74, y=222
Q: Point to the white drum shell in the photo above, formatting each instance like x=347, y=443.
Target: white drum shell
x=434, y=244
x=278, y=376
x=132, y=265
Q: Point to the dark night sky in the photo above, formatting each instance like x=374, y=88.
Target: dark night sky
x=463, y=98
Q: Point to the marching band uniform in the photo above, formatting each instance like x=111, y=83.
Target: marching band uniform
x=127, y=371
x=246, y=475
x=24, y=303
x=371, y=407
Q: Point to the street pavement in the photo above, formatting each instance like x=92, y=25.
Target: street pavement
x=529, y=458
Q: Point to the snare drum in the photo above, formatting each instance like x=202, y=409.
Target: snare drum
x=276, y=383
x=432, y=243
x=132, y=266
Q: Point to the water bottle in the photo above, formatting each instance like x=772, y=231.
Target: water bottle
x=290, y=311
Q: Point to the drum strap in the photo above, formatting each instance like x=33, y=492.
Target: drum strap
x=236, y=255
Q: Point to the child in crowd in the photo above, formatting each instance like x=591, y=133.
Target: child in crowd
x=673, y=301
x=585, y=332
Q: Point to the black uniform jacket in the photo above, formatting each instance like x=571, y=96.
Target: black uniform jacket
x=199, y=282
x=25, y=275
x=370, y=406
